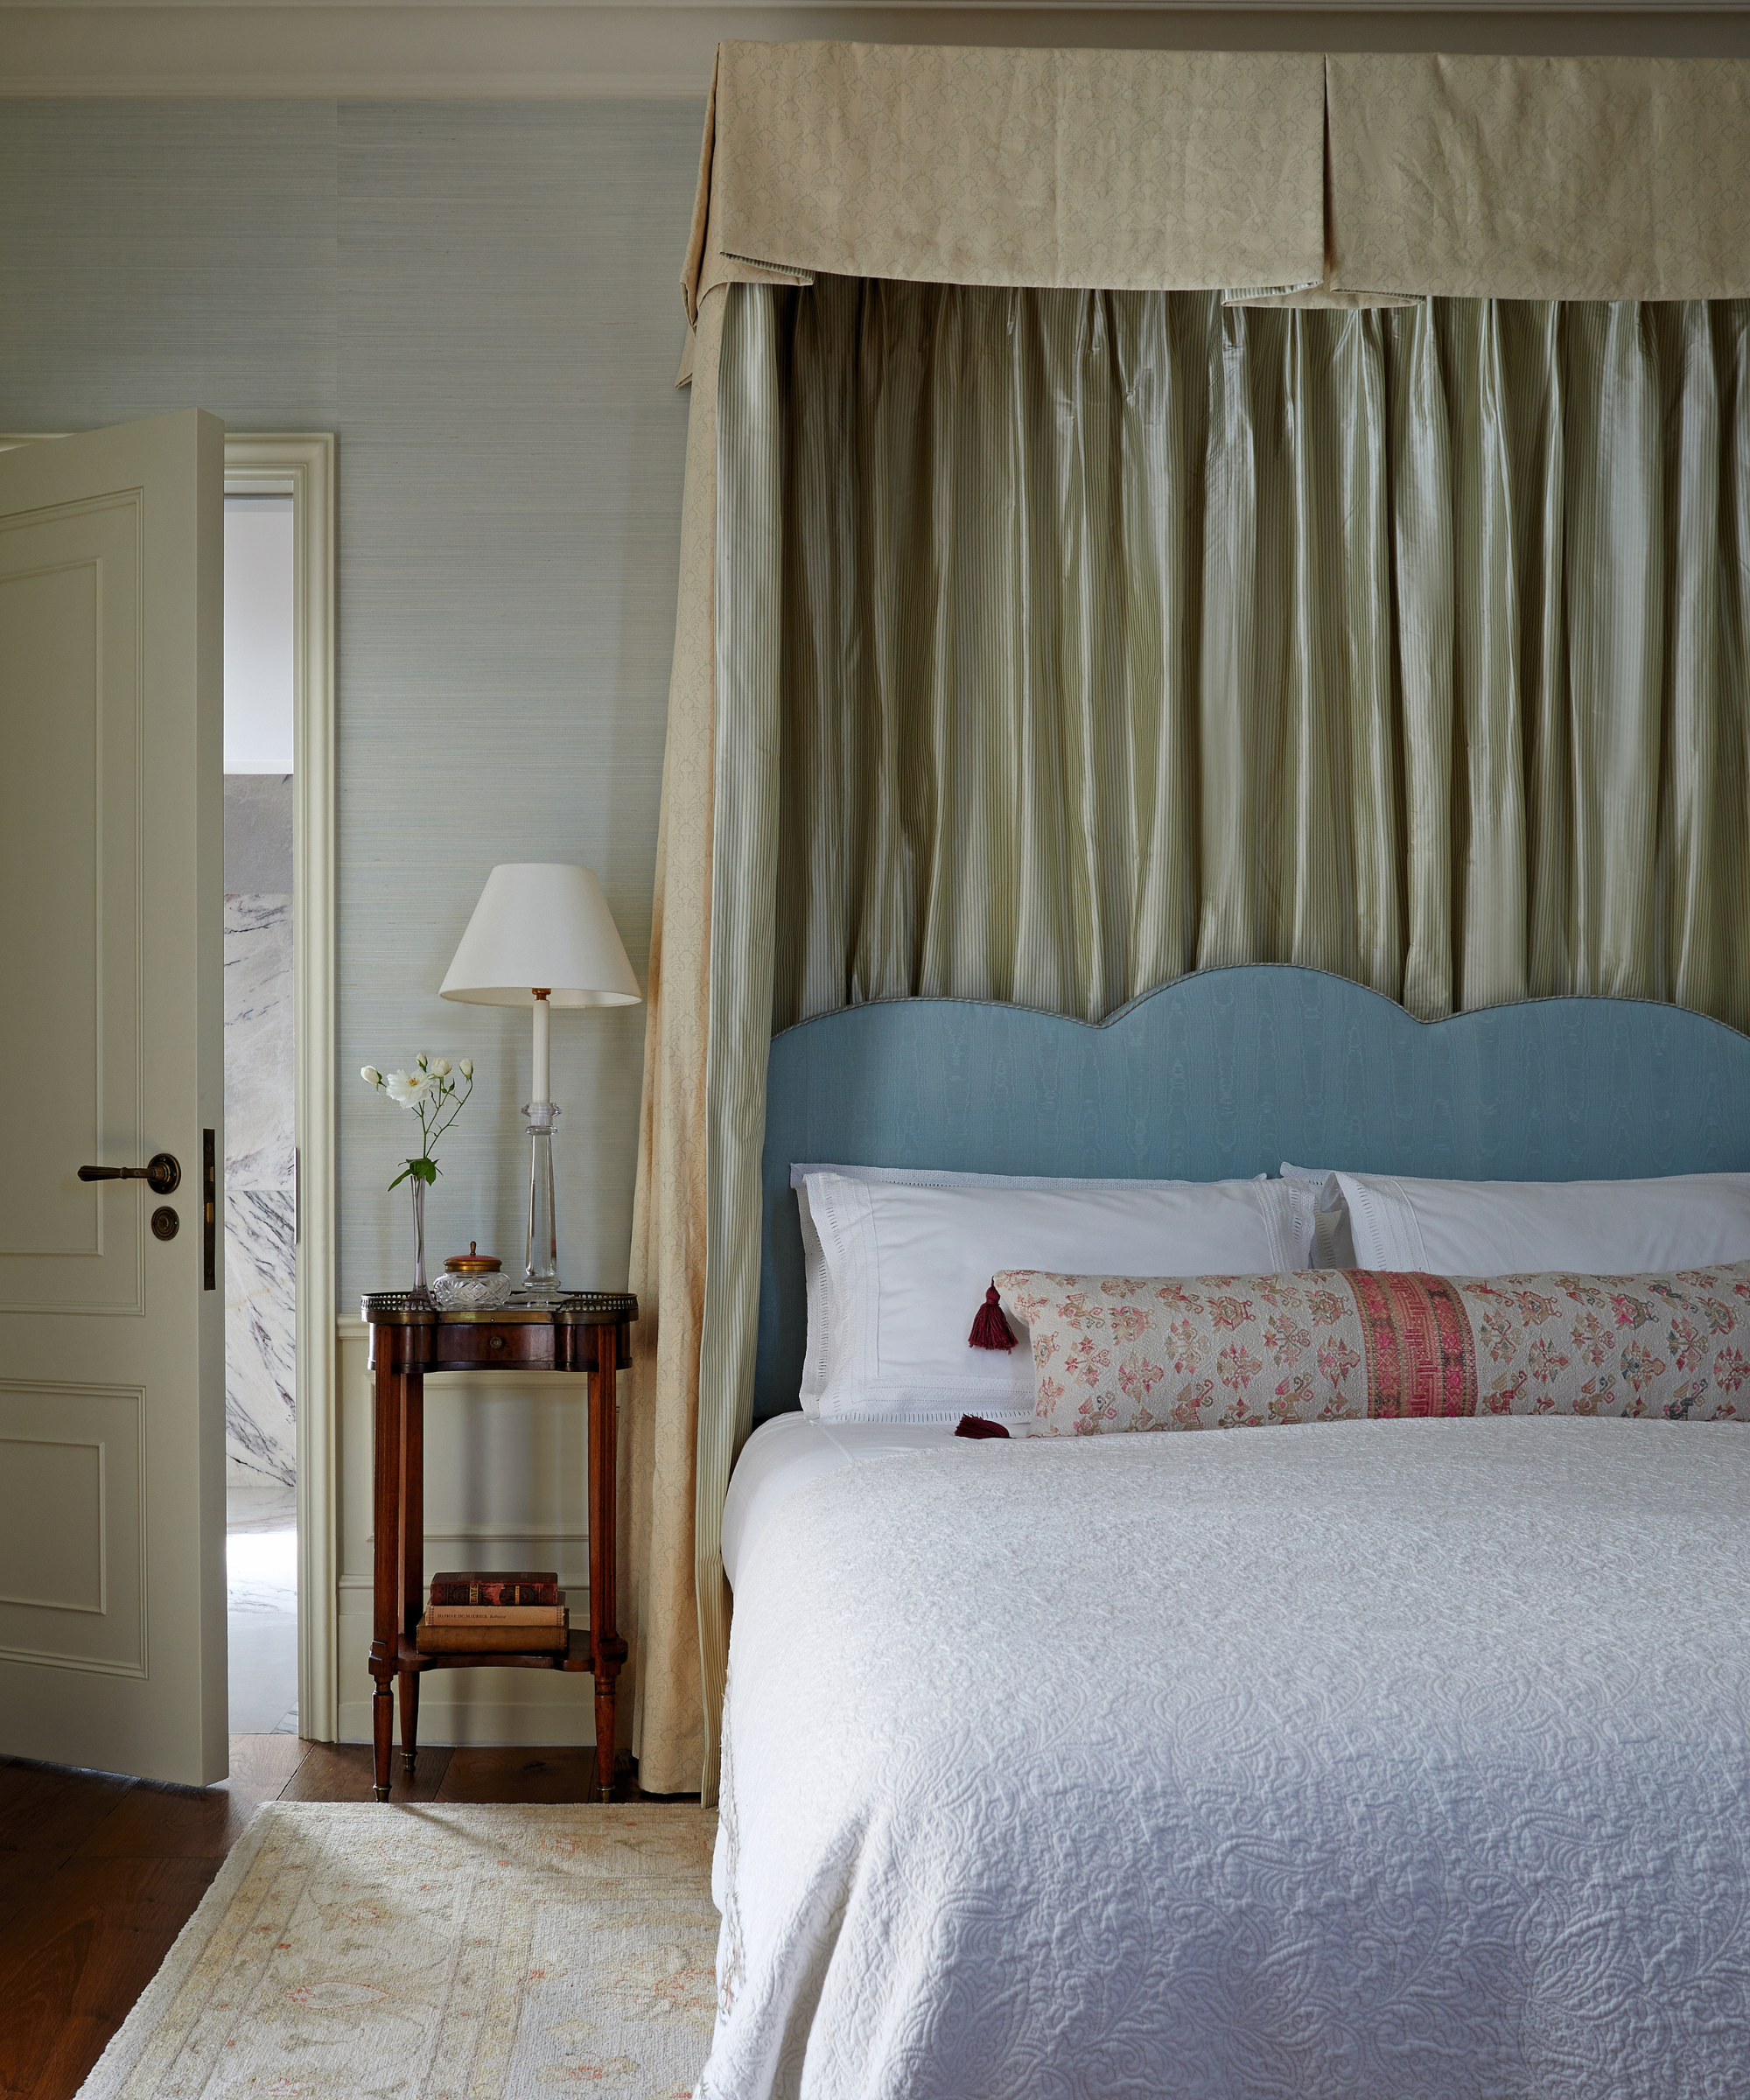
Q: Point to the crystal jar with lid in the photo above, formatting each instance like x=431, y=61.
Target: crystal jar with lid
x=470, y=1283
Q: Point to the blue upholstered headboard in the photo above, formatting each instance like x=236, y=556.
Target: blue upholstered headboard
x=1231, y=1072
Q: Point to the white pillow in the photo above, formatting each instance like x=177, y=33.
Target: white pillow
x=1526, y=1227
x=1333, y=1246
x=818, y=1284
x=907, y=1258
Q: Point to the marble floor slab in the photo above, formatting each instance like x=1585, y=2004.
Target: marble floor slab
x=266, y=1505
x=261, y=1618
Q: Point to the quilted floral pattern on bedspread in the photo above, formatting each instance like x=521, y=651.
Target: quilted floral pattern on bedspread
x=1117, y=1353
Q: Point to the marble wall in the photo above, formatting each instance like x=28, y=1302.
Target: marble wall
x=260, y=1221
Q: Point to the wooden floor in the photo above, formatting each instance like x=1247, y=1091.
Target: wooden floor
x=99, y=1875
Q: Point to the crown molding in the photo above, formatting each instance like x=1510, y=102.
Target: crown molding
x=470, y=48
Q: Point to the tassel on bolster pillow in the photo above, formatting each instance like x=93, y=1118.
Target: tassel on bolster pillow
x=990, y=1329
x=1114, y=1353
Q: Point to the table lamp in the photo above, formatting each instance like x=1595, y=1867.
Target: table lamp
x=542, y=936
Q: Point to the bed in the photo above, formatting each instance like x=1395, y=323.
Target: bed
x=1369, y=1758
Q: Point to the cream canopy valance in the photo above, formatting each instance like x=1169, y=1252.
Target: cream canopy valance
x=1540, y=179
x=1555, y=179
x=1107, y=170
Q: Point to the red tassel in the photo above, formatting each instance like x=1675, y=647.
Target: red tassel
x=990, y=1329
x=976, y=1425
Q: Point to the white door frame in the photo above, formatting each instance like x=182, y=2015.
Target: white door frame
x=301, y=465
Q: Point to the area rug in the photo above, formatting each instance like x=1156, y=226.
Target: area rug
x=432, y=1953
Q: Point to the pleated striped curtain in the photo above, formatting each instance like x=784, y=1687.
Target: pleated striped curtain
x=1124, y=634
x=1062, y=642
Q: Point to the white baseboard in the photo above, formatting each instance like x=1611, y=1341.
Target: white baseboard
x=485, y=1724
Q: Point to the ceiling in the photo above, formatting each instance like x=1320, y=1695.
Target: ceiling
x=663, y=47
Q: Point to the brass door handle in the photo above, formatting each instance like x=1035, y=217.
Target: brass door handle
x=161, y=1173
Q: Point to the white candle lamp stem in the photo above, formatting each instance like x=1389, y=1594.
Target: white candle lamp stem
x=543, y=1088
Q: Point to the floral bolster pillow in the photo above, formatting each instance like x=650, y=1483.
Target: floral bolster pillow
x=1220, y=1351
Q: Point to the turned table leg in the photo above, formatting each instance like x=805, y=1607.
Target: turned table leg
x=608, y=1650
x=410, y=1720
x=382, y=1736
x=385, y=1629
x=411, y=1604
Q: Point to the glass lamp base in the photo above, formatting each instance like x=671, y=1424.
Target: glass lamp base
x=541, y=1267
x=539, y=1297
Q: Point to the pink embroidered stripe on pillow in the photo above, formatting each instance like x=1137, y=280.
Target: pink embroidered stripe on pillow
x=1115, y=1352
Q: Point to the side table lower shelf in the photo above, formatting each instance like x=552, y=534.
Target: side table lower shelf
x=588, y=1333
x=576, y=1656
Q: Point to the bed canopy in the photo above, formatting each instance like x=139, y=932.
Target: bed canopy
x=1396, y=580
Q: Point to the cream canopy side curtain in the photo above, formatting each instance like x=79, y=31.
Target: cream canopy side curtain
x=1137, y=173
x=658, y=1484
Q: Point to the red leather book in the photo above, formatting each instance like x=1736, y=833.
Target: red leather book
x=495, y=1586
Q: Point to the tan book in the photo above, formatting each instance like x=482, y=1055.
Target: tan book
x=497, y=1614
x=491, y=1640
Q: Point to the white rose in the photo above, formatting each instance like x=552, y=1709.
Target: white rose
x=419, y=1062
x=408, y=1088
x=466, y=1067
x=440, y=1067
x=371, y=1076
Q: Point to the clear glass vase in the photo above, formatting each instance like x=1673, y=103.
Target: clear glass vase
x=419, y=1188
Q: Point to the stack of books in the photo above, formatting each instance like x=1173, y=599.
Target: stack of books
x=516, y=1612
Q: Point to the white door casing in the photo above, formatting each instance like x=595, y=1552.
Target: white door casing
x=112, y=1344
x=301, y=465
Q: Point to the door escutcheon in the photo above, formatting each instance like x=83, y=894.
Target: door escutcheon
x=209, y=1212
x=165, y=1223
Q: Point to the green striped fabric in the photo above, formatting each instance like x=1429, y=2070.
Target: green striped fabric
x=1126, y=634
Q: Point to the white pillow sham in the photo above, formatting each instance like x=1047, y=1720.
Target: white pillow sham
x=818, y=1283
x=904, y=1259
x=1333, y=1245
x=1514, y=1228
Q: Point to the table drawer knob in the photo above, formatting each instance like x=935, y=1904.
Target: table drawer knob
x=495, y=1341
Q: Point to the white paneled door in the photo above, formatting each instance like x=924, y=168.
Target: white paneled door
x=112, y=1335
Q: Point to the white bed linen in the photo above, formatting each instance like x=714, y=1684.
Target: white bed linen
x=1341, y=1763
x=1509, y=1228
x=792, y=1448
x=907, y=1265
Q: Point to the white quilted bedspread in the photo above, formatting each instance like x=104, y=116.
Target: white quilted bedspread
x=1379, y=1760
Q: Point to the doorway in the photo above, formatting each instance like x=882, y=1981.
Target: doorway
x=260, y=1173
x=298, y=469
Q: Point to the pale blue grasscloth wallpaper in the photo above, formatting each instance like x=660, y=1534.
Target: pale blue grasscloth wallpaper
x=480, y=299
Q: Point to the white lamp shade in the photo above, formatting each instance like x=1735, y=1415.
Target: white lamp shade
x=540, y=924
